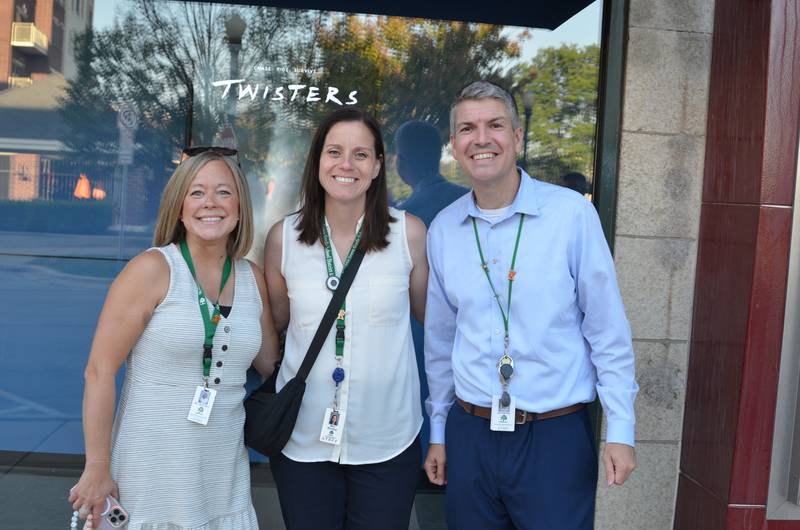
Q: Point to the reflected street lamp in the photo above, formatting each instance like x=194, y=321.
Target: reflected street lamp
x=527, y=103
x=234, y=29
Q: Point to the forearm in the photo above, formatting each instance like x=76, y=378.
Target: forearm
x=265, y=361
x=98, y=416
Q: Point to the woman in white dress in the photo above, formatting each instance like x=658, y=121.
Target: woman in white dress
x=188, y=317
x=353, y=459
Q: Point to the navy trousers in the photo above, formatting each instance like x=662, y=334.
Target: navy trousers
x=542, y=476
x=331, y=496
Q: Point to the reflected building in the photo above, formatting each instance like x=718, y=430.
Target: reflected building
x=36, y=60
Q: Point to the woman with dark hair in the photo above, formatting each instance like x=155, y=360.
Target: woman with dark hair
x=353, y=459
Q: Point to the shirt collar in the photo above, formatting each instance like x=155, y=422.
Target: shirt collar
x=524, y=202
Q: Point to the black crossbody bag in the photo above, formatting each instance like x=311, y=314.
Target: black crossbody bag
x=270, y=415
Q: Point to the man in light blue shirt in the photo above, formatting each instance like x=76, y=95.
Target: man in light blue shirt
x=524, y=325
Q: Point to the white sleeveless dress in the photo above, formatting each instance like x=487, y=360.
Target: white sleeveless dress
x=379, y=397
x=174, y=474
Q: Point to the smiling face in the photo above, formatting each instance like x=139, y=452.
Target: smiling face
x=485, y=143
x=211, y=207
x=348, y=162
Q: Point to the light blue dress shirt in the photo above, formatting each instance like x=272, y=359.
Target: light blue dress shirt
x=569, y=337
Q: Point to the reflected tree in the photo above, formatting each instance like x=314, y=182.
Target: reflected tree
x=165, y=57
x=412, y=68
x=562, y=130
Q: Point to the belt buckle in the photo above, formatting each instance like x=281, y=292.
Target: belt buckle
x=524, y=418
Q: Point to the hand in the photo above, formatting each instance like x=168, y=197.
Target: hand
x=619, y=461
x=435, y=464
x=92, y=489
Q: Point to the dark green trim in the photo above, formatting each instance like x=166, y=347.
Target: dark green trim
x=614, y=39
x=609, y=113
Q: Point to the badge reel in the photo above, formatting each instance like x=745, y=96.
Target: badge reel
x=332, y=283
x=332, y=422
x=503, y=406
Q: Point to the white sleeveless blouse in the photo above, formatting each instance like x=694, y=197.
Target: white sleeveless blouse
x=379, y=397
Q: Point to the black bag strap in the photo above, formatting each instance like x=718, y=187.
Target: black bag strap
x=330, y=315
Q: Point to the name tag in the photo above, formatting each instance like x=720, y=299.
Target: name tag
x=503, y=417
x=332, y=424
x=203, y=400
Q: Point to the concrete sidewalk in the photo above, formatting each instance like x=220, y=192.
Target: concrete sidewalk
x=35, y=498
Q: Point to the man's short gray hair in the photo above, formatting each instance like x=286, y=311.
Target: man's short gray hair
x=484, y=90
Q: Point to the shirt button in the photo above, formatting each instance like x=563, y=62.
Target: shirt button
x=494, y=261
x=224, y=347
x=219, y=364
x=497, y=331
x=227, y=329
x=216, y=381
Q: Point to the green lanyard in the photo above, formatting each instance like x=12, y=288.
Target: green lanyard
x=209, y=322
x=326, y=239
x=511, y=274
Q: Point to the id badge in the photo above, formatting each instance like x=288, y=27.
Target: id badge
x=332, y=423
x=201, y=404
x=503, y=418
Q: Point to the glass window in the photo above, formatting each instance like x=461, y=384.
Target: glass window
x=92, y=124
x=73, y=189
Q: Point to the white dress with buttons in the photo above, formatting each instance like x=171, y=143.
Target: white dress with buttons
x=380, y=393
x=172, y=473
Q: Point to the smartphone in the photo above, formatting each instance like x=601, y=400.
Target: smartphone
x=114, y=516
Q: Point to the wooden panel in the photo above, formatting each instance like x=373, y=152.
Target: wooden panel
x=753, y=450
x=746, y=518
x=723, y=287
x=783, y=101
x=697, y=507
x=752, y=136
x=736, y=110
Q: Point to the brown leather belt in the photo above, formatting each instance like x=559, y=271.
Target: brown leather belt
x=522, y=416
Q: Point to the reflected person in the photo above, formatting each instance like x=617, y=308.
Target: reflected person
x=193, y=314
x=359, y=471
x=419, y=149
x=576, y=181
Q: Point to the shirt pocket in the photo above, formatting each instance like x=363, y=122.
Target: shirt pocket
x=307, y=303
x=388, y=300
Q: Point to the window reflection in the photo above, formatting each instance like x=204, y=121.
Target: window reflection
x=94, y=114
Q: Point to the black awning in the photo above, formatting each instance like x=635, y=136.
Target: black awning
x=546, y=14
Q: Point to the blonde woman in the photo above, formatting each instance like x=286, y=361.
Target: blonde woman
x=188, y=318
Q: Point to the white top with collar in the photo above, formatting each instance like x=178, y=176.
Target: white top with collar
x=379, y=397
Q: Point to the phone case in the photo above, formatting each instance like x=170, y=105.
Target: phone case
x=114, y=516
